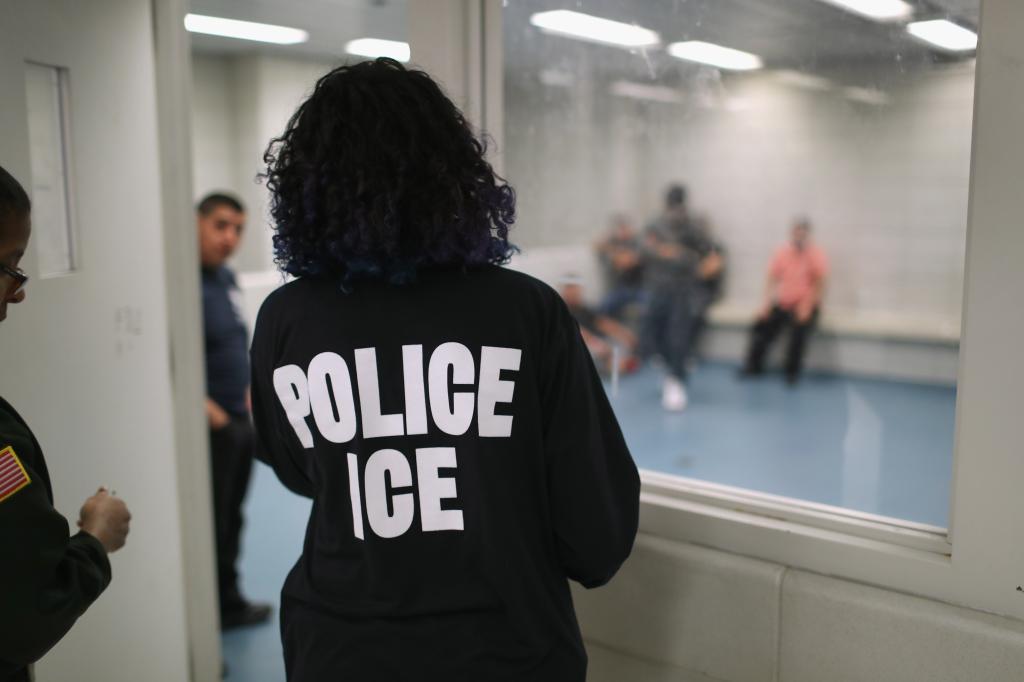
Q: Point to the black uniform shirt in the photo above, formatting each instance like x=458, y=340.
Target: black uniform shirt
x=226, y=341
x=48, y=578
x=464, y=462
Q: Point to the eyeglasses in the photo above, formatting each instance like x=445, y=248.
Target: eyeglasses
x=19, y=277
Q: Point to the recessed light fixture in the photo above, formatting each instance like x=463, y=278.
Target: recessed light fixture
x=944, y=34
x=645, y=91
x=878, y=10
x=378, y=47
x=244, y=30
x=594, y=29
x=715, y=55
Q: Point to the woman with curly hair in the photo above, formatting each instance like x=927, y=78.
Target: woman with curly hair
x=441, y=411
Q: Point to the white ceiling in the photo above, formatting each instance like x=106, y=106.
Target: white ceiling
x=804, y=34
x=330, y=23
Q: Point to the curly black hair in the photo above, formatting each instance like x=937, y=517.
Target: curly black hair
x=14, y=201
x=379, y=175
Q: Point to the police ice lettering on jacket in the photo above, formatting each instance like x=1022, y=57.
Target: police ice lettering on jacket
x=324, y=390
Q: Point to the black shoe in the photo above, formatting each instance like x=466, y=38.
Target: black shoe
x=244, y=615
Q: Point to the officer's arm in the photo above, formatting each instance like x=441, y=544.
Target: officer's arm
x=276, y=442
x=48, y=578
x=593, y=482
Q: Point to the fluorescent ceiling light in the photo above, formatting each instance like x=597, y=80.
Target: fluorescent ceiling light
x=879, y=10
x=715, y=55
x=595, y=29
x=802, y=80
x=944, y=34
x=644, y=91
x=377, y=47
x=244, y=30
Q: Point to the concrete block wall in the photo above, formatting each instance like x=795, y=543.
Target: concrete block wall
x=684, y=613
x=885, y=185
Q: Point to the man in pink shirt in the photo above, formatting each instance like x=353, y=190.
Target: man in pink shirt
x=796, y=280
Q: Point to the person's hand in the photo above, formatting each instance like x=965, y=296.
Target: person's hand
x=216, y=415
x=764, y=312
x=107, y=519
x=803, y=313
x=711, y=265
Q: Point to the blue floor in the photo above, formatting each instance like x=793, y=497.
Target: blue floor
x=882, y=447
x=275, y=522
x=875, y=446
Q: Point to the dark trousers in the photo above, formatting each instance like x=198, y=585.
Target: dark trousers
x=668, y=328
x=475, y=645
x=231, y=456
x=767, y=330
x=618, y=299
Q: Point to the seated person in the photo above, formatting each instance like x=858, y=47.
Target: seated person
x=601, y=333
x=796, y=280
x=621, y=255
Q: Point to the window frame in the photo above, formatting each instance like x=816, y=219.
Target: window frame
x=974, y=563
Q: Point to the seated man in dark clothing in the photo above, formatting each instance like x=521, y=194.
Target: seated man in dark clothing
x=620, y=254
x=221, y=219
x=601, y=333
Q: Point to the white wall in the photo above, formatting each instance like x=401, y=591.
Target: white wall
x=213, y=126
x=885, y=184
x=86, y=357
x=677, y=612
x=240, y=104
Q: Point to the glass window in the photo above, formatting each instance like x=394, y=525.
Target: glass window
x=758, y=211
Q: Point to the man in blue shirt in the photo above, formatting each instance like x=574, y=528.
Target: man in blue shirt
x=221, y=219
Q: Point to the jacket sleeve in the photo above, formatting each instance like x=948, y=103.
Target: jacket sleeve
x=47, y=577
x=276, y=442
x=594, y=486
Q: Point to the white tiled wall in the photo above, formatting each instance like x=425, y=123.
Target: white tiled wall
x=692, y=608
x=685, y=613
x=844, y=632
x=885, y=185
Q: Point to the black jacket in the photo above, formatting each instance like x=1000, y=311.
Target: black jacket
x=464, y=463
x=48, y=578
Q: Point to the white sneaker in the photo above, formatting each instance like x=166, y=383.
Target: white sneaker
x=673, y=395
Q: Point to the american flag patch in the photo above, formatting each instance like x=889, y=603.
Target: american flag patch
x=13, y=476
